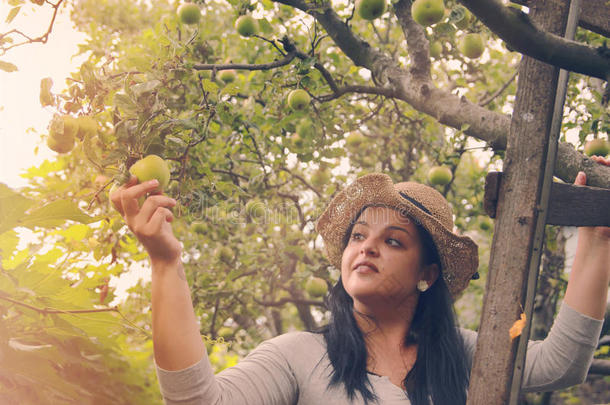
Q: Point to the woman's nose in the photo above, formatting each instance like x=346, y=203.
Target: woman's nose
x=368, y=247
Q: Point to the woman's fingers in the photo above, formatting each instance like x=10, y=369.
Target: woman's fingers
x=160, y=216
x=152, y=203
x=601, y=160
x=115, y=196
x=581, y=179
x=130, y=195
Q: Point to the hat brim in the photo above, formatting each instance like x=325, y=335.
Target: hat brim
x=458, y=253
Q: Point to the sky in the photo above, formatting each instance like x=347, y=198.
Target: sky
x=22, y=118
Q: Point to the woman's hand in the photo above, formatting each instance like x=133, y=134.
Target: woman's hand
x=151, y=222
x=587, y=289
x=600, y=232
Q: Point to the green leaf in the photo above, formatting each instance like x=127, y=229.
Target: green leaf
x=11, y=15
x=209, y=86
x=55, y=214
x=125, y=104
x=265, y=26
x=146, y=87
x=12, y=207
x=8, y=243
x=7, y=66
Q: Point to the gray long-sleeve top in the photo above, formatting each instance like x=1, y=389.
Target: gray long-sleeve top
x=293, y=369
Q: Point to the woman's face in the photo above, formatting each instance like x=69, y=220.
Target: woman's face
x=390, y=242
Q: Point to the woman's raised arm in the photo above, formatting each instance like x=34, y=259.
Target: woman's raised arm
x=587, y=289
x=176, y=338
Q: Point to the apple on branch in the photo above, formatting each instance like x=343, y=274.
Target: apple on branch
x=227, y=76
x=370, y=9
x=471, y=45
x=149, y=168
x=298, y=99
x=246, y=26
x=189, y=13
x=440, y=175
x=599, y=147
x=427, y=12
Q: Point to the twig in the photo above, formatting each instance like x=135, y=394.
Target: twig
x=489, y=99
x=43, y=38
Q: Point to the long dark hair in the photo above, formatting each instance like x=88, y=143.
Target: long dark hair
x=440, y=372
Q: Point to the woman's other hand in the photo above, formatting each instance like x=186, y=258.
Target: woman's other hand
x=602, y=232
x=587, y=289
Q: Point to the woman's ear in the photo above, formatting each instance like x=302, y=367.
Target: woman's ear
x=431, y=273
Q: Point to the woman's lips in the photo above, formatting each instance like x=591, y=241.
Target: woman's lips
x=364, y=269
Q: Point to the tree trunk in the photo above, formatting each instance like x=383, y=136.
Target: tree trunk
x=513, y=242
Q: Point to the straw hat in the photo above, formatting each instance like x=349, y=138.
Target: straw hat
x=425, y=205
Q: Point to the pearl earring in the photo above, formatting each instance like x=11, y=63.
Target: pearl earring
x=422, y=285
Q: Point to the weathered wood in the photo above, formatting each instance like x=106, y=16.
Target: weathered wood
x=594, y=15
x=517, y=219
x=569, y=205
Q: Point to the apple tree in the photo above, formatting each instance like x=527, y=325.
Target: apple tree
x=262, y=123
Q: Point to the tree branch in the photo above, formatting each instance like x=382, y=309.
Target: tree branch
x=283, y=301
x=417, y=43
x=42, y=39
x=246, y=66
x=522, y=35
x=449, y=109
x=594, y=15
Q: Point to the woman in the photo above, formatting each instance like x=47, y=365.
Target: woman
x=392, y=337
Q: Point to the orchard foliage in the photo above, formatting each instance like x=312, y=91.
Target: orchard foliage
x=250, y=173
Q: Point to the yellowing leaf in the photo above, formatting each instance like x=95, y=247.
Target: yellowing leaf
x=517, y=327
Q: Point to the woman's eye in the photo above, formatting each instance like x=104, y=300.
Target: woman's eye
x=397, y=242
x=357, y=235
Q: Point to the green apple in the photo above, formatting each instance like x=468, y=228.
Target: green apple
x=255, y=209
x=471, y=45
x=189, y=13
x=70, y=126
x=440, y=175
x=427, y=12
x=87, y=127
x=149, y=168
x=485, y=223
x=370, y=9
x=298, y=99
x=436, y=49
x=60, y=145
x=224, y=254
x=227, y=76
x=297, y=141
x=246, y=26
x=199, y=228
x=61, y=133
x=354, y=140
x=599, y=147
x=316, y=287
